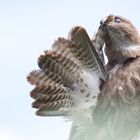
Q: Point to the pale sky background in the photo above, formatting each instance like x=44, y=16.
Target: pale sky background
x=27, y=27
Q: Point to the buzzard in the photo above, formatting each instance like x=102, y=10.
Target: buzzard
x=103, y=101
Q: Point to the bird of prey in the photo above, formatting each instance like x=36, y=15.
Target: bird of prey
x=103, y=101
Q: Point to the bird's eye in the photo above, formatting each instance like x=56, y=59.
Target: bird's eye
x=117, y=19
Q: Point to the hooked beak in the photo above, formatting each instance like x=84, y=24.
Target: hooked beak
x=107, y=20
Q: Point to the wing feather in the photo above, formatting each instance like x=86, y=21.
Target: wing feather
x=50, y=63
x=64, y=80
x=47, y=90
x=39, y=78
x=52, y=105
x=83, y=49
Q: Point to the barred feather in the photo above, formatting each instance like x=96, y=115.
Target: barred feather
x=47, y=90
x=83, y=49
x=51, y=102
x=62, y=83
x=67, y=63
x=62, y=46
x=54, y=105
x=50, y=63
x=39, y=78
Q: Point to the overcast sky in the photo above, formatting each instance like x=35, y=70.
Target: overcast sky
x=27, y=28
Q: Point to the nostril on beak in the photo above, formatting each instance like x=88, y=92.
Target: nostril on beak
x=101, y=22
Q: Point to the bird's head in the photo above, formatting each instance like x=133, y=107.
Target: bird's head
x=121, y=39
x=119, y=31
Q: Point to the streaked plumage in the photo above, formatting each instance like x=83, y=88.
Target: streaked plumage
x=72, y=81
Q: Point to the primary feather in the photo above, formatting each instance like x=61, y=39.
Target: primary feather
x=69, y=76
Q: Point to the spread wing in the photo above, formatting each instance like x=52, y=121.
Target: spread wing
x=117, y=114
x=69, y=76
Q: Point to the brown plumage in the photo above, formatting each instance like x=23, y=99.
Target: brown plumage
x=117, y=114
x=72, y=81
x=121, y=38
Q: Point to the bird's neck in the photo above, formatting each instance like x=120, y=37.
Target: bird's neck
x=120, y=54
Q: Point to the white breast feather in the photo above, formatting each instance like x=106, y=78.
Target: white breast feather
x=86, y=91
